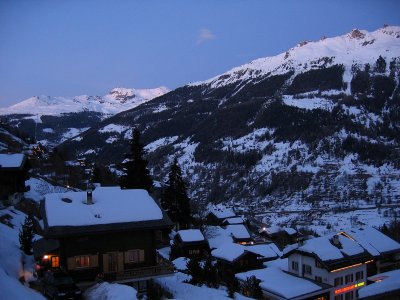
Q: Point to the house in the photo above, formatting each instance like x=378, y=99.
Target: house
x=282, y=235
x=384, y=286
x=334, y=260
x=239, y=233
x=108, y=233
x=384, y=250
x=233, y=221
x=190, y=243
x=233, y=258
x=218, y=213
x=279, y=285
x=13, y=174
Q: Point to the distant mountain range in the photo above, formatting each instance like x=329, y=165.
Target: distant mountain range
x=55, y=119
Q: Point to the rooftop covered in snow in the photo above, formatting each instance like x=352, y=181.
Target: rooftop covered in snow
x=191, y=235
x=221, y=211
x=113, y=208
x=278, y=283
x=385, y=285
x=12, y=160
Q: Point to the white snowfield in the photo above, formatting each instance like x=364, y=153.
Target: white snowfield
x=111, y=291
x=110, y=205
x=117, y=100
x=359, y=47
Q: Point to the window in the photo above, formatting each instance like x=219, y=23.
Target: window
x=82, y=261
x=194, y=252
x=338, y=281
x=318, y=278
x=159, y=236
x=318, y=264
x=349, y=278
x=349, y=296
x=55, y=261
x=307, y=269
x=359, y=275
x=136, y=256
x=295, y=265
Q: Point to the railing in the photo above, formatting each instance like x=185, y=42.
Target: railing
x=153, y=271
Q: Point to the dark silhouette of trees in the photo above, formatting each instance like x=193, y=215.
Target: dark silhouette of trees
x=136, y=176
x=174, y=198
x=26, y=235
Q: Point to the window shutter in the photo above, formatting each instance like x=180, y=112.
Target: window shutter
x=94, y=260
x=71, y=263
x=105, y=263
x=141, y=255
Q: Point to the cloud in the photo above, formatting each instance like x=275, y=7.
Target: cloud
x=204, y=35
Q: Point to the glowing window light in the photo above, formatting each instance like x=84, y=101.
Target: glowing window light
x=349, y=288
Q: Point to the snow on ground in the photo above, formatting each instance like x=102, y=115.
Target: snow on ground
x=39, y=187
x=150, y=147
x=180, y=263
x=72, y=132
x=110, y=291
x=113, y=128
x=308, y=103
x=11, y=260
x=180, y=290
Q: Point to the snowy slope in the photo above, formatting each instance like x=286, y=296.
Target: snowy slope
x=357, y=47
x=119, y=99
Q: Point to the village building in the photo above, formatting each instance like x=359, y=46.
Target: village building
x=190, y=243
x=13, y=174
x=218, y=213
x=233, y=221
x=108, y=233
x=383, y=286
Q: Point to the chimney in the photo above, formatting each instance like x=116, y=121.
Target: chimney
x=89, y=197
x=335, y=240
x=300, y=241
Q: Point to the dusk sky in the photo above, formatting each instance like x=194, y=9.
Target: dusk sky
x=74, y=47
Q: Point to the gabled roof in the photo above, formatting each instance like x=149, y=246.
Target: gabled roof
x=238, y=231
x=372, y=240
x=233, y=221
x=327, y=252
x=231, y=252
x=268, y=251
x=281, y=284
x=112, y=209
x=12, y=161
x=385, y=284
x=221, y=211
x=191, y=235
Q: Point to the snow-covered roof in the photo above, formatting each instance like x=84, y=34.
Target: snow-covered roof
x=11, y=160
x=229, y=252
x=238, y=231
x=277, y=282
x=221, y=211
x=372, y=240
x=191, y=235
x=111, y=205
x=325, y=250
x=234, y=220
x=265, y=250
x=290, y=231
x=384, y=283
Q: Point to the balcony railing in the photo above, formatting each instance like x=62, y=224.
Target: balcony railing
x=137, y=273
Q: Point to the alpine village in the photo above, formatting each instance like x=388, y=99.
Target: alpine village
x=279, y=179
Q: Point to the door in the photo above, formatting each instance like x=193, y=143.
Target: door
x=111, y=262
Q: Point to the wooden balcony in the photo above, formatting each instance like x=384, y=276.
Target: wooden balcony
x=162, y=269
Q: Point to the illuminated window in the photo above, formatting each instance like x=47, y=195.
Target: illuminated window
x=359, y=275
x=338, y=281
x=348, y=278
x=194, y=252
x=136, y=256
x=295, y=265
x=55, y=261
x=82, y=261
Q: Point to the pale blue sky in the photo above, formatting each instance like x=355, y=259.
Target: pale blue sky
x=73, y=47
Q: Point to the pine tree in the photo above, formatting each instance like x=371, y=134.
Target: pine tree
x=26, y=235
x=194, y=269
x=251, y=288
x=175, y=199
x=210, y=273
x=136, y=176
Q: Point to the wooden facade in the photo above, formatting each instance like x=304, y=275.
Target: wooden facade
x=191, y=249
x=245, y=262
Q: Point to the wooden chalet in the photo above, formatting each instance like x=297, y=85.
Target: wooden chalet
x=190, y=243
x=108, y=233
x=13, y=174
x=218, y=213
x=233, y=258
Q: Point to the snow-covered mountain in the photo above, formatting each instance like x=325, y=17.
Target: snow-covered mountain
x=52, y=120
x=313, y=129
x=117, y=100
